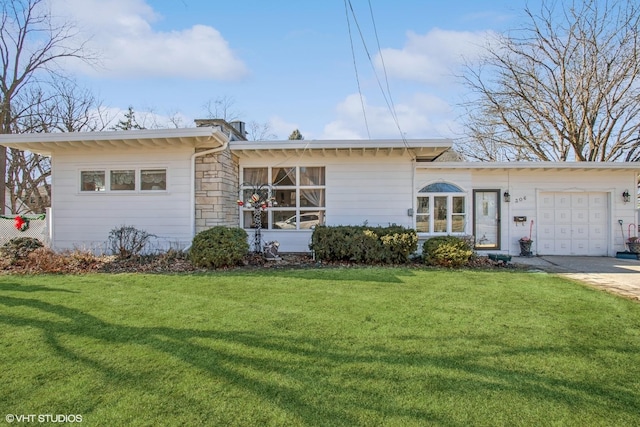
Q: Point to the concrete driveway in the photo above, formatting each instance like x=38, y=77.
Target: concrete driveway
x=620, y=276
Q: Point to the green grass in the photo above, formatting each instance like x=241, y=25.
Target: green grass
x=325, y=347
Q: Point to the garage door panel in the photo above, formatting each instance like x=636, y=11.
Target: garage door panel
x=547, y=201
x=597, y=247
x=580, y=201
x=547, y=231
x=597, y=216
x=562, y=216
x=597, y=233
x=580, y=216
x=562, y=200
x=598, y=201
x=547, y=216
x=573, y=224
x=562, y=232
x=580, y=232
x=562, y=246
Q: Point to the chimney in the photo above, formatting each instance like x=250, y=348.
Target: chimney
x=239, y=127
x=235, y=129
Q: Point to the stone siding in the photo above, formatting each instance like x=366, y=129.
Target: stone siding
x=216, y=185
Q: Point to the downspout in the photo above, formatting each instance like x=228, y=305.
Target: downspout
x=193, y=184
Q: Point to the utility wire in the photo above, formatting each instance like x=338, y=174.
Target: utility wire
x=355, y=66
x=388, y=99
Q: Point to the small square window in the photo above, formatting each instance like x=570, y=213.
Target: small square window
x=123, y=180
x=153, y=179
x=92, y=181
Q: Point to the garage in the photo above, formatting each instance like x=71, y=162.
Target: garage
x=573, y=223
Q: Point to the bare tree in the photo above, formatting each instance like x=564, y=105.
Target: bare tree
x=566, y=87
x=63, y=107
x=221, y=108
x=30, y=45
x=260, y=131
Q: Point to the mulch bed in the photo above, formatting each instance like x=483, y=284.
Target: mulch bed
x=44, y=261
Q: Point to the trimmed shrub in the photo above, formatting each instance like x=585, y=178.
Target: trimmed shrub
x=219, y=246
x=362, y=244
x=447, y=251
x=19, y=248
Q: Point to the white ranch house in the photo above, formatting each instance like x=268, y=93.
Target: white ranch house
x=174, y=183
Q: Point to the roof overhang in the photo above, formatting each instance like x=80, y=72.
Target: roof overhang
x=424, y=149
x=49, y=143
x=538, y=166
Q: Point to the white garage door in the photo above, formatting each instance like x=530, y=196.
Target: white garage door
x=573, y=224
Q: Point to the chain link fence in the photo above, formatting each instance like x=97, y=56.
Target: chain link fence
x=36, y=228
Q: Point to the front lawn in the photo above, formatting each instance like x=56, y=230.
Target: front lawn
x=339, y=347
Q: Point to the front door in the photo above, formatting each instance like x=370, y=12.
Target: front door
x=486, y=219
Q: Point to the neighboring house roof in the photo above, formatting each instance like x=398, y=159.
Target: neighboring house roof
x=47, y=143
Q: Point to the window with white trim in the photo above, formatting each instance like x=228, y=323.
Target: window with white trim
x=297, y=192
x=122, y=180
x=441, y=209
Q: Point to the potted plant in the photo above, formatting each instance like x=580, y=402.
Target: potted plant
x=525, y=243
x=525, y=246
x=633, y=243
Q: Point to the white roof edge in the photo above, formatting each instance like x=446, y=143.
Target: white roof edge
x=530, y=165
x=345, y=144
x=109, y=135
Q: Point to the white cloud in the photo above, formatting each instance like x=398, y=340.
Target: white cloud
x=424, y=116
x=122, y=34
x=433, y=58
x=282, y=128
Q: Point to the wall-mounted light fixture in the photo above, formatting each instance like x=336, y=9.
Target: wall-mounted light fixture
x=507, y=196
x=625, y=196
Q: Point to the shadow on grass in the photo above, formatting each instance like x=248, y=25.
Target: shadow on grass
x=366, y=274
x=319, y=359
x=32, y=288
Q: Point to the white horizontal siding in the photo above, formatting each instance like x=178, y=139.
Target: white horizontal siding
x=376, y=189
x=525, y=185
x=377, y=192
x=84, y=220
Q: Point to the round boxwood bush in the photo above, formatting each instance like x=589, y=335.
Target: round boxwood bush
x=219, y=247
x=447, y=251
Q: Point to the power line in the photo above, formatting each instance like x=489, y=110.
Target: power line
x=355, y=66
x=386, y=95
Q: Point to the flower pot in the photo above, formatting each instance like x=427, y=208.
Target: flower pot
x=525, y=247
x=634, y=247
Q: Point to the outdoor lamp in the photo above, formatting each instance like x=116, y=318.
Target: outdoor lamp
x=507, y=196
x=625, y=196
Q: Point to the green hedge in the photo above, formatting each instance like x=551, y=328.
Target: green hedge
x=362, y=244
x=219, y=247
x=447, y=251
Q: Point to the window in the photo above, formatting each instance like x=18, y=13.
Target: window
x=298, y=193
x=153, y=180
x=441, y=209
x=92, y=181
x=121, y=180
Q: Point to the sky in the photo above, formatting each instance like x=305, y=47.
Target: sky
x=334, y=69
